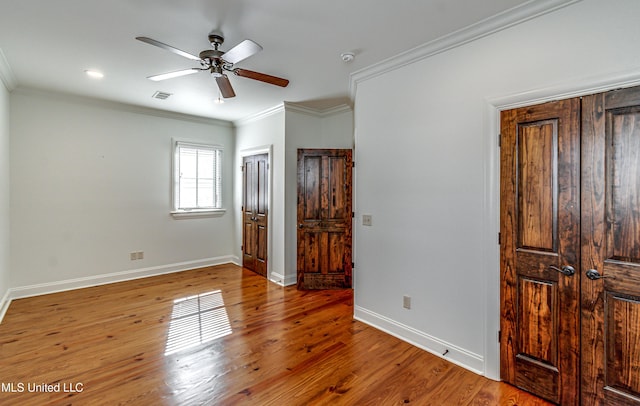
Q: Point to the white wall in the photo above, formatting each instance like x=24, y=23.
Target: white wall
x=90, y=183
x=5, y=214
x=257, y=136
x=284, y=130
x=427, y=168
x=308, y=129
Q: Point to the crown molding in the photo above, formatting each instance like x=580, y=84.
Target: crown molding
x=481, y=29
x=293, y=107
x=577, y=87
x=260, y=115
x=6, y=74
x=299, y=108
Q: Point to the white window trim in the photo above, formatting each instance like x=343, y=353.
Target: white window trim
x=191, y=213
x=179, y=214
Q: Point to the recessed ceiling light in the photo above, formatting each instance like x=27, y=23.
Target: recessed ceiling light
x=94, y=74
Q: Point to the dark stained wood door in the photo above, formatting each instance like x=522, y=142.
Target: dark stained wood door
x=255, y=206
x=611, y=248
x=324, y=218
x=540, y=249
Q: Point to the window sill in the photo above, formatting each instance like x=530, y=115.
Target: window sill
x=183, y=214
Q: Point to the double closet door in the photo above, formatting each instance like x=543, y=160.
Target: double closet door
x=255, y=210
x=570, y=249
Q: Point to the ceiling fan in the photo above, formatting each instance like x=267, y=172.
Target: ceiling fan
x=218, y=62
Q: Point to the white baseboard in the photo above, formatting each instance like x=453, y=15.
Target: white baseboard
x=4, y=304
x=459, y=356
x=282, y=280
x=78, y=283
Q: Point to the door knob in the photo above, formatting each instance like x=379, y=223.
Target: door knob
x=300, y=225
x=566, y=270
x=593, y=274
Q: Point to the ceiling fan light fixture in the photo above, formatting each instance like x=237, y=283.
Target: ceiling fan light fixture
x=216, y=71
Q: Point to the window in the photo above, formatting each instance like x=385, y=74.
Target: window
x=197, y=179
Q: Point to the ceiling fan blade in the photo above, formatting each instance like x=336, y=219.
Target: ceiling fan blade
x=241, y=51
x=225, y=86
x=168, y=48
x=175, y=74
x=263, y=77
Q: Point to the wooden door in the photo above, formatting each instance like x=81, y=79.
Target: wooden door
x=255, y=206
x=324, y=218
x=611, y=248
x=540, y=248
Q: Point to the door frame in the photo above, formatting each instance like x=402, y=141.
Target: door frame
x=491, y=190
x=266, y=149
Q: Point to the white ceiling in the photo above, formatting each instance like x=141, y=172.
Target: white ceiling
x=49, y=44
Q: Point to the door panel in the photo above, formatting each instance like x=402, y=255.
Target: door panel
x=312, y=188
x=536, y=169
x=536, y=306
x=255, y=204
x=261, y=254
x=337, y=197
x=324, y=219
x=248, y=203
x=248, y=244
x=611, y=246
x=539, y=304
x=622, y=355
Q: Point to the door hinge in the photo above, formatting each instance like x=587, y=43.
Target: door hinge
x=353, y=265
x=242, y=248
x=499, y=335
x=353, y=214
x=353, y=164
x=241, y=208
x=499, y=238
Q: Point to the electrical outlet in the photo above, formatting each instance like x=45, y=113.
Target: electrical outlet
x=406, y=302
x=140, y=255
x=133, y=256
x=367, y=220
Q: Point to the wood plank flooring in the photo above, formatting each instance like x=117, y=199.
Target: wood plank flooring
x=219, y=336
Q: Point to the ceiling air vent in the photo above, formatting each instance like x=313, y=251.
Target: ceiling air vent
x=161, y=95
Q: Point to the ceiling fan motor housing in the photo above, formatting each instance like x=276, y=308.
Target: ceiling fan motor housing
x=216, y=39
x=211, y=54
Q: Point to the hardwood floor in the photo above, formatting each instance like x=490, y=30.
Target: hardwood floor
x=219, y=336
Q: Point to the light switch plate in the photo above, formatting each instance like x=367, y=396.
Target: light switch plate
x=367, y=220
x=406, y=302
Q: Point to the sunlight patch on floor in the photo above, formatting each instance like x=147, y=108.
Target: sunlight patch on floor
x=197, y=320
